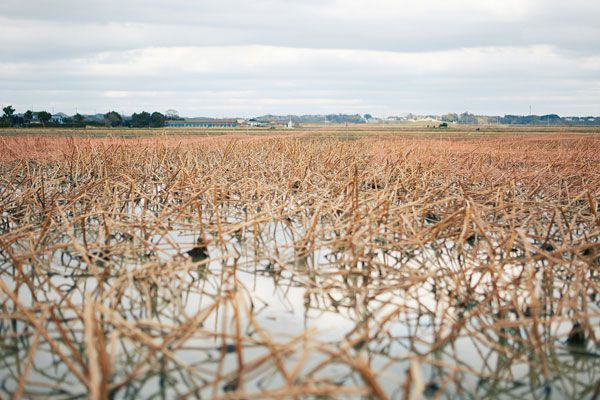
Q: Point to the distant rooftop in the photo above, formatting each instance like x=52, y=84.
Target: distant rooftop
x=206, y=120
x=202, y=123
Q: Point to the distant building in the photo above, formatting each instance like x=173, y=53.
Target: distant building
x=395, y=118
x=202, y=123
x=290, y=124
x=256, y=123
x=35, y=118
x=59, y=118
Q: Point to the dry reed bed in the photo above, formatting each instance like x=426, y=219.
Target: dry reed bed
x=459, y=266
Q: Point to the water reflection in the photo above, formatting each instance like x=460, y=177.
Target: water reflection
x=174, y=311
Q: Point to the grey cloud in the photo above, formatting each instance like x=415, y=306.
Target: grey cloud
x=236, y=56
x=76, y=26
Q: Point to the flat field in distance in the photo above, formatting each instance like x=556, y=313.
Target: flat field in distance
x=384, y=262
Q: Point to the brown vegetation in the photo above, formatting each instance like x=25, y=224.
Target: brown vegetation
x=287, y=267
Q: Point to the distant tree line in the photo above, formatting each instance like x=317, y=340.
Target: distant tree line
x=111, y=119
x=147, y=120
x=345, y=119
x=141, y=120
x=549, y=119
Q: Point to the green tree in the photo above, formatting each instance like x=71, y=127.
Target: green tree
x=141, y=120
x=113, y=118
x=157, y=120
x=44, y=116
x=78, y=118
x=8, y=114
x=28, y=116
x=450, y=117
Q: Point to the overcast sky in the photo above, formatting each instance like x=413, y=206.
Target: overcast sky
x=251, y=57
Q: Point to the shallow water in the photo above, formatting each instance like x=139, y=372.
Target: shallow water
x=263, y=314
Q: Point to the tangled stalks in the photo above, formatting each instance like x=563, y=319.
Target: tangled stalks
x=290, y=267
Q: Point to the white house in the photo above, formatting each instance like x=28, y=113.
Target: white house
x=58, y=118
x=256, y=123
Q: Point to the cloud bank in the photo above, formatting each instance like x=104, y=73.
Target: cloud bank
x=280, y=56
